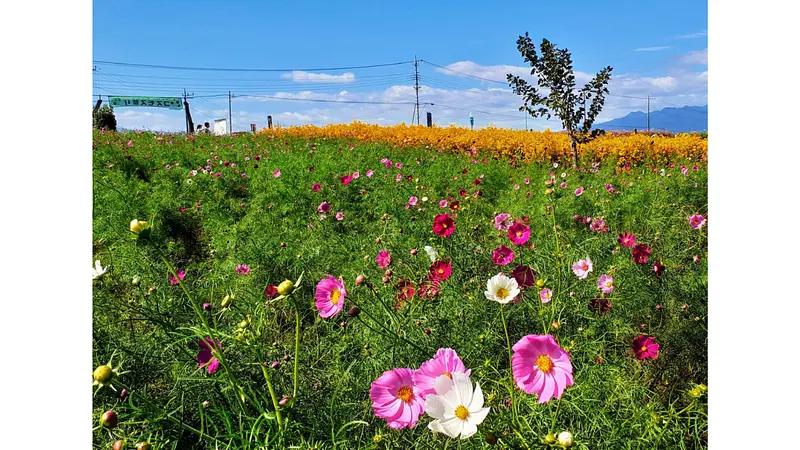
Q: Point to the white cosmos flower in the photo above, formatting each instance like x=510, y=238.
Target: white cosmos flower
x=98, y=270
x=501, y=289
x=431, y=253
x=456, y=407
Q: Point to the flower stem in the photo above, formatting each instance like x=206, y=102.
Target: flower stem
x=272, y=395
x=553, y=424
x=510, y=365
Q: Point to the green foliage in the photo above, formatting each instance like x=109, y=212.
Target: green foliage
x=206, y=226
x=104, y=118
x=554, y=73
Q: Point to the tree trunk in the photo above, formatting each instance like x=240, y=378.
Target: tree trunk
x=574, y=145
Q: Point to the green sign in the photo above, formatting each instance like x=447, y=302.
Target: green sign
x=149, y=102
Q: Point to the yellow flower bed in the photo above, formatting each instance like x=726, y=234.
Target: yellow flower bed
x=528, y=145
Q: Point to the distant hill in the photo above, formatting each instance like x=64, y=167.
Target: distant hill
x=676, y=120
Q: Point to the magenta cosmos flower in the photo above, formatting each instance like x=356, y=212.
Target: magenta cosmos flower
x=640, y=253
x=174, y=281
x=545, y=295
x=697, y=221
x=444, y=363
x=579, y=191
x=370, y=173
x=503, y=222
x=205, y=358
x=502, y=255
x=276, y=173
x=606, y=283
x=519, y=233
x=383, y=259
x=345, y=179
x=323, y=207
x=440, y=271
x=443, y=225
x=329, y=298
x=339, y=216
x=645, y=347
x=582, y=268
x=396, y=399
x=242, y=269
x=316, y=187
x=412, y=201
x=541, y=367
x=626, y=239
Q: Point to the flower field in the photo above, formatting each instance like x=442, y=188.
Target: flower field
x=362, y=287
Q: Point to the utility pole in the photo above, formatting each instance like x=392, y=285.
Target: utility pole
x=188, y=129
x=584, y=107
x=648, y=114
x=230, y=115
x=416, y=87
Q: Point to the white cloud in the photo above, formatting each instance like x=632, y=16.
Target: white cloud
x=651, y=49
x=299, y=76
x=693, y=35
x=699, y=57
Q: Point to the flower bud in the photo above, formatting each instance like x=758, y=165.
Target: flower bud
x=548, y=191
x=565, y=439
x=103, y=374
x=388, y=272
x=143, y=446
x=285, y=400
x=109, y=419
x=118, y=445
x=359, y=280
x=413, y=252
x=550, y=439
x=377, y=240
x=385, y=279
x=285, y=288
x=206, y=306
x=138, y=226
x=205, y=403
x=275, y=364
x=226, y=301
x=123, y=395
x=539, y=282
x=354, y=311
x=135, y=281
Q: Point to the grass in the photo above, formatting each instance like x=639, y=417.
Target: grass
x=206, y=226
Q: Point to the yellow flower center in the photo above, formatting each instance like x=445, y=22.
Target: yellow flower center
x=444, y=225
x=502, y=293
x=643, y=349
x=441, y=271
x=462, y=412
x=608, y=283
x=405, y=394
x=448, y=375
x=544, y=363
x=585, y=267
x=519, y=233
x=335, y=295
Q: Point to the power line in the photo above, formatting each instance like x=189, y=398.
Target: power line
x=220, y=69
x=465, y=74
x=325, y=101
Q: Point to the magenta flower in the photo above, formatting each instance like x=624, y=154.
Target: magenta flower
x=525, y=276
x=398, y=177
x=174, y=281
x=329, y=297
x=502, y=255
x=606, y=283
x=412, y=201
x=276, y=173
x=541, y=367
x=440, y=271
x=545, y=295
x=242, y=269
x=626, y=239
x=443, y=225
x=356, y=175
x=645, y=347
x=443, y=204
x=519, y=233
x=316, y=187
x=640, y=253
x=503, y=221
x=697, y=221
x=563, y=185
x=323, y=207
x=579, y=191
x=345, y=179
x=598, y=224
x=610, y=189
x=205, y=358
x=396, y=399
x=369, y=173
x=340, y=216
x=582, y=268
x=527, y=180
x=444, y=363
x=383, y=259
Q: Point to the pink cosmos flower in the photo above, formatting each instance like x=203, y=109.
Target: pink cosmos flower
x=519, y=233
x=440, y=271
x=323, y=207
x=412, y=201
x=582, y=268
x=626, y=239
x=563, y=185
x=503, y=222
x=383, y=259
x=443, y=225
x=640, y=253
x=276, y=173
x=316, y=187
x=244, y=175
x=398, y=178
x=697, y=221
x=579, y=191
x=444, y=363
x=205, y=358
x=398, y=165
x=541, y=367
x=598, y=224
x=356, y=175
x=443, y=204
x=242, y=269
x=345, y=179
x=339, y=216
x=396, y=399
x=645, y=347
x=606, y=283
x=527, y=180
x=370, y=173
x=502, y=255
x=329, y=297
x=174, y=281
x=611, y=189
x=545, y=295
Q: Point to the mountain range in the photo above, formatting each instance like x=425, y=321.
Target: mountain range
x=676, y=120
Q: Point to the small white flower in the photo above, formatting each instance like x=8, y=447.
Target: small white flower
x=189, y=181
x=457, y=409
x=555, y=165
x=431, y=253
x=563, y=174
x=501, y=289
x=98, y=270
x=565, y=439
x=424, y=199
x=662, y=172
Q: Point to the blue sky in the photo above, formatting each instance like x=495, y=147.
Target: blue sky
x=657, y=49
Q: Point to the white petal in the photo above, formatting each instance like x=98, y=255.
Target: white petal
x=434, y=406
x=442, y=384
x=477, y=399
x=468, y=430
x=436, y=427
x=478, y=416
x=464, y=387
x=452, y=427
